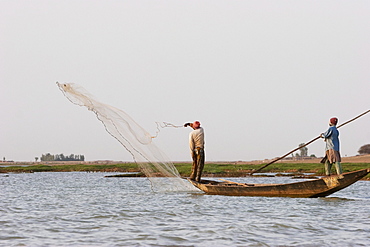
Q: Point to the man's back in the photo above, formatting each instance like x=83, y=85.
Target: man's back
x=196, y=138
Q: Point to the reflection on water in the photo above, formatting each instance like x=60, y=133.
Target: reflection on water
x=86, y=209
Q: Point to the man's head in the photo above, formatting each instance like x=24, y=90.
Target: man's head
x=196, y=125
x=333, y=121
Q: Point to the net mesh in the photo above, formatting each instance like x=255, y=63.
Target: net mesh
x=139, y=143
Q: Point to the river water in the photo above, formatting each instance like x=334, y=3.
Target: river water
x=87, y=209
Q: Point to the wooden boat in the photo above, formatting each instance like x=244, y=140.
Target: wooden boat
x=312, y=188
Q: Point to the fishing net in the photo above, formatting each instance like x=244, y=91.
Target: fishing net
x=138, y=142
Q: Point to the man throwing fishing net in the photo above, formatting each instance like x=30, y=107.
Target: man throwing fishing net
x=332, y=154
x=196, y=142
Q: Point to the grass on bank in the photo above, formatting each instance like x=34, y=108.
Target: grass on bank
x=127, y=167
x=239, y=170
x=210, y=169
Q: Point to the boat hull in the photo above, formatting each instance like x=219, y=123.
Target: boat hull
x=313, y=188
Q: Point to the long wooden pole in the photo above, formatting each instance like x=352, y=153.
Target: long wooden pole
x=316, y=138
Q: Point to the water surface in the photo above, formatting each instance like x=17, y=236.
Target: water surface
x=87, y=209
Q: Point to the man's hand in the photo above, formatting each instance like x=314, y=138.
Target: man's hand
x=187, y=124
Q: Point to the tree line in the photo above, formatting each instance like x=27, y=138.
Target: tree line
x=365, y=149
x=62, y=157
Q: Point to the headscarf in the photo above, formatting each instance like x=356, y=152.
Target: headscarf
x=196, y=125
x=333, y=121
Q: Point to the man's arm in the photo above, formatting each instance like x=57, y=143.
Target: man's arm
x=327, y=134
x=191, y=142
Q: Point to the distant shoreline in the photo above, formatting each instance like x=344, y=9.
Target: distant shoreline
x=294, y=168
x=351, y=159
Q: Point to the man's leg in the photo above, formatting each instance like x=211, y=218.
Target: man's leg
x=201, y=158
x=338, y=167
x=327, y=167
x=194, y=168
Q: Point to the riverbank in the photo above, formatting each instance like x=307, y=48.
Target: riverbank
x=211, y=169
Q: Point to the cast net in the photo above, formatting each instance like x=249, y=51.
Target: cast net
x=139, y=143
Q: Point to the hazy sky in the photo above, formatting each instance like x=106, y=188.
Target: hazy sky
x=261, y=76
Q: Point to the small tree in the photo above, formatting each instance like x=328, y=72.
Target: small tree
x=365, y=149
x=303, y=150
x=47, y=157
x=297, y=156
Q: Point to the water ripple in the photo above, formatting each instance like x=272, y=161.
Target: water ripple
x=86, y=209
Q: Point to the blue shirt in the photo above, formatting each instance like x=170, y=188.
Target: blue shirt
x=331, y=138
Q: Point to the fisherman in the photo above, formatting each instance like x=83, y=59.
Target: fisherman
x=332, y=154
x=196, y=142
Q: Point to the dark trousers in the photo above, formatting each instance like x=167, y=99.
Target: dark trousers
x=198, y=164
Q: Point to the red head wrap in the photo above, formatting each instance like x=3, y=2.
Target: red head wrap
x=334, y=121
x=196, y=124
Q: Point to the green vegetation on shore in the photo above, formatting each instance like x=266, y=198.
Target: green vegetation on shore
x=127, y=167
x=210, y=169
x=241, y=170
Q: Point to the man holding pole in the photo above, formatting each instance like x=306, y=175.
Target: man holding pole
x=332, y=147
x=196, y=143
x=331, y=122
